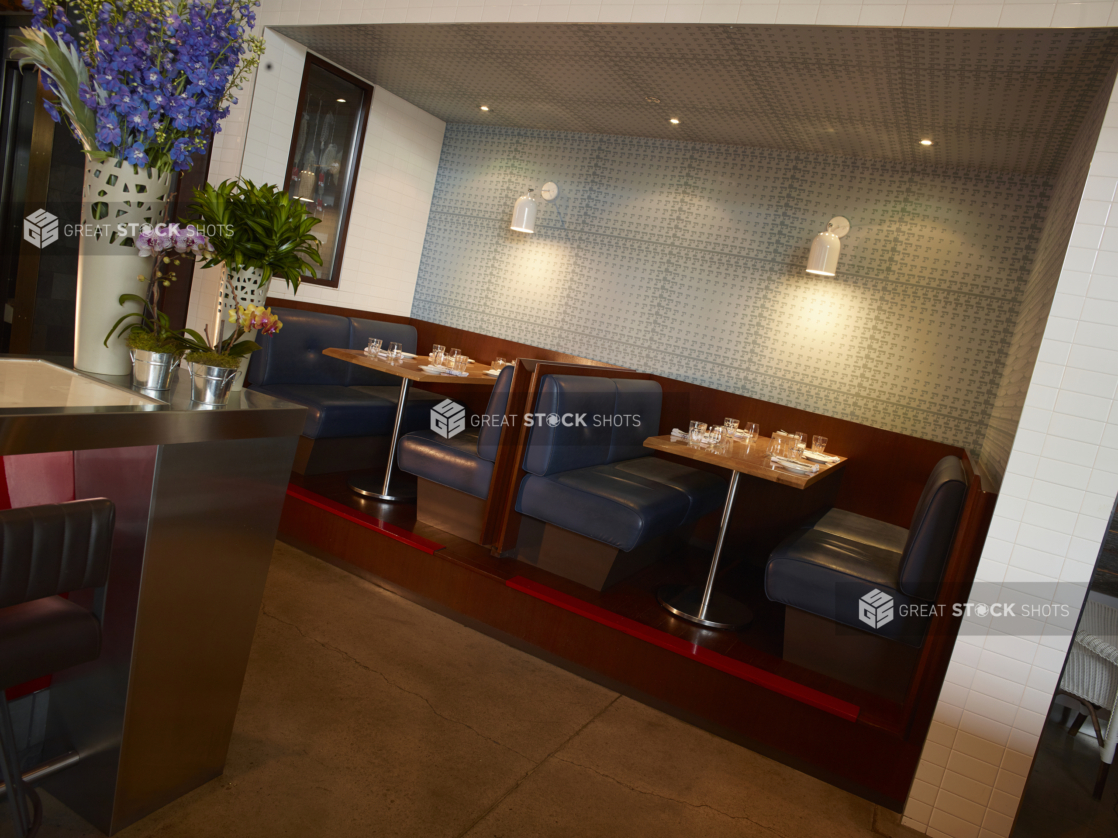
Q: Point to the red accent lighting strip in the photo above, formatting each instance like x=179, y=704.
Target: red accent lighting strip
x=364, y=520
x=761, y=677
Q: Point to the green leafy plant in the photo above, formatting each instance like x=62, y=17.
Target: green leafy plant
x=259, y=227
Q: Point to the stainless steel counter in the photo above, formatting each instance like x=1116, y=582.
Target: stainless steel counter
x=102, y=411
x=198, y=493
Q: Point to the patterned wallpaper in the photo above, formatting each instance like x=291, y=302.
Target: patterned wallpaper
x=1040, y=291
x=687, y=260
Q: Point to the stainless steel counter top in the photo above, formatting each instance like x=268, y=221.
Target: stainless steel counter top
x=45, y=406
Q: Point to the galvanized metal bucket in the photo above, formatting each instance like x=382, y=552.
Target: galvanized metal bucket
x=153, y=370
x=211, y=385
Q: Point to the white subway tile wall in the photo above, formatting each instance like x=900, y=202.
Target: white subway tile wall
x=1071, y=344
x=392, y=197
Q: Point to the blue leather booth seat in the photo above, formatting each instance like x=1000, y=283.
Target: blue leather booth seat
x=465, y=461
x=595, y=477
x=342, y=399
x=828, y=567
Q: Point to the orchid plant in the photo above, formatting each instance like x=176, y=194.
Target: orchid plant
x=228, y=352
x=152, y=330
x=144, y=80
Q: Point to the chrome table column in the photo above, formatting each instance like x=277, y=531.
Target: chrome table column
x=706, y=606
x=382, y=488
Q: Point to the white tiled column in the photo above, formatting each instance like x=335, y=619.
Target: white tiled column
x=1048, y=525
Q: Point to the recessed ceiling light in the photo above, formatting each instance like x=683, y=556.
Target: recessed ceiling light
x=925, y=142
x=485, y=107
x=674, y=121
x=341, y=100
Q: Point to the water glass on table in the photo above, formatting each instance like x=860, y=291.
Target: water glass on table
x=799, y=443
x=818, y=444
x=436, y=357
x=499, y=363
x=374, y=347
x=395, y=351
x=731, y=426
x=715, y=435
x=750, y=431
x=461, y=362
x=696, y=431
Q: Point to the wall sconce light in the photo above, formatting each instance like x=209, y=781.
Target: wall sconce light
x=824, y=255
x=524, y=212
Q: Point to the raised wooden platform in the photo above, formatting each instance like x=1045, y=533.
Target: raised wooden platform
x=734, y=684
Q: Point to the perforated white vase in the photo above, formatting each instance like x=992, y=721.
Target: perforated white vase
x=249, y=292
x=117, y=202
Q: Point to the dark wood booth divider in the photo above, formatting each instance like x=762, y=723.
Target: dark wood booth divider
x=875, y=755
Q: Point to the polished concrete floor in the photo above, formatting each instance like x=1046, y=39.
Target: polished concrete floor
x=365, y=714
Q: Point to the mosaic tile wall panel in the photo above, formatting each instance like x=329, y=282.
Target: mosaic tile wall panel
x=687, y=260
x=1037, y=302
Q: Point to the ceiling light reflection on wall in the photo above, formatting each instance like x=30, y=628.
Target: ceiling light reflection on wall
x=925, y=142
x=524, y=211
x=485, y=107
x=825, y=249
x=674, y=121
x=340, y=100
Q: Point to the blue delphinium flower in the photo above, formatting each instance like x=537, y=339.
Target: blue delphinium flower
x=161, y=73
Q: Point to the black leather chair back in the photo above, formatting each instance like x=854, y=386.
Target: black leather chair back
x=932, y=531
x=51, y=549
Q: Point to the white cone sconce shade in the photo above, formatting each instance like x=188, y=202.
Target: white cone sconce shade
x=825, y=249
x=524, y=212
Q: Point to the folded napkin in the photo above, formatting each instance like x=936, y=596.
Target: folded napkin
x=794, y=465
x=433, y=369
x=821, y=458
x=493, y=372
x=456, y=372
x=678, y=434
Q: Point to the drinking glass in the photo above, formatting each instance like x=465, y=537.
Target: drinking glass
x=798, y=443
x=716, y=434
x=395, y=351
x=499, y=363
x=731, y=426
x=818, y=444
x=374, y=346
x=451, y=354
x=751, y=430
x=436, y=358
x=697, y=430
x=461, y=362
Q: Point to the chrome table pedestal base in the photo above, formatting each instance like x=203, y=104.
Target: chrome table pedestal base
x=384, y=488
x=722, y=612
x=372, y=487
x=704, y=605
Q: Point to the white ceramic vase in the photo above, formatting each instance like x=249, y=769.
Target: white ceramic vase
x=249, y=291
x=117, y=202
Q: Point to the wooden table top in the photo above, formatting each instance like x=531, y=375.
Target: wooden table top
x=752, y=459
x=409, y=368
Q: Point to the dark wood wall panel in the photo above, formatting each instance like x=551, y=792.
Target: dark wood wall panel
x=883, y=478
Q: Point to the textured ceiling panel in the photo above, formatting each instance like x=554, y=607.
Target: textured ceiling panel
x=1008, y=100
